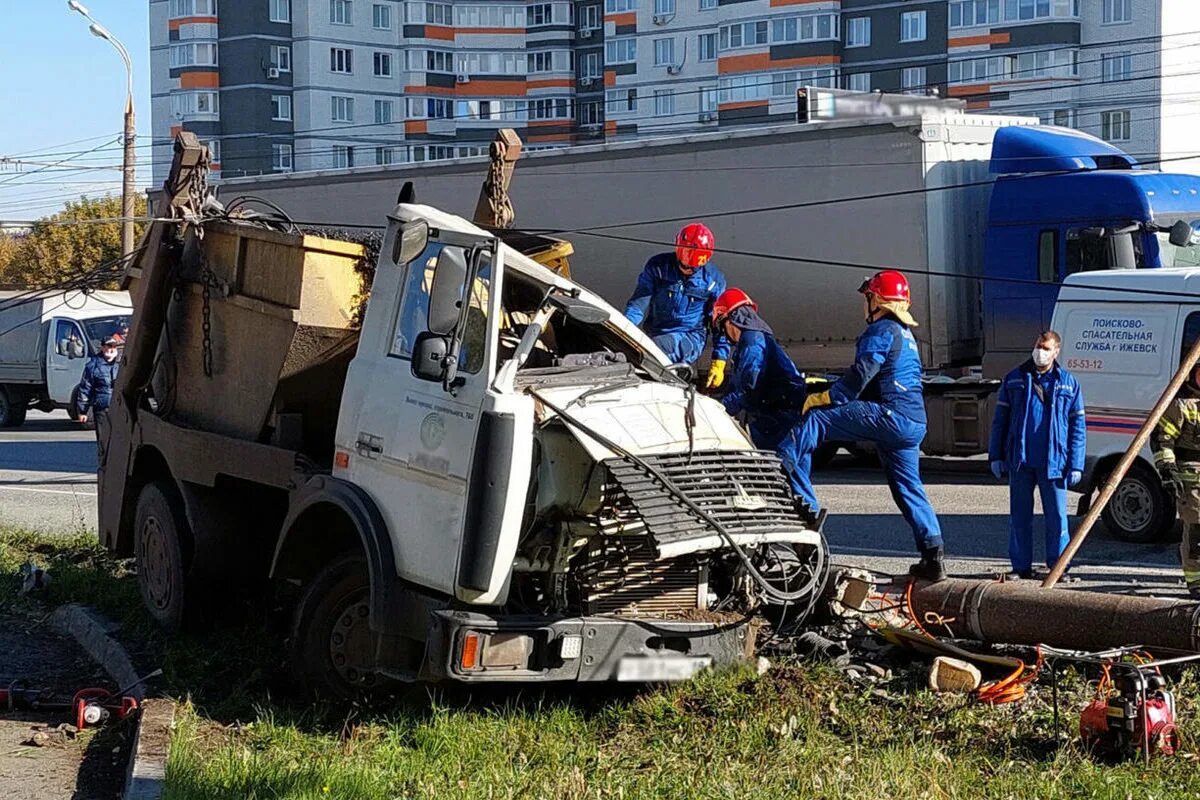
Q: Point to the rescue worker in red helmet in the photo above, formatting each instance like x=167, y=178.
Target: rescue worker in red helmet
x=763, y=381
x=878, y=400
x=674, y=298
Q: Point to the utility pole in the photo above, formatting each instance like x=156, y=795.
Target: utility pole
x=128, y=168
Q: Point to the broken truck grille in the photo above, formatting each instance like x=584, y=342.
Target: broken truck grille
x=745, y=491
x=643, y=588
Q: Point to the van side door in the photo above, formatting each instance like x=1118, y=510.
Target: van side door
x=67, y=353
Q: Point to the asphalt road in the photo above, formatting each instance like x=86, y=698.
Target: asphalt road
x=48, y=483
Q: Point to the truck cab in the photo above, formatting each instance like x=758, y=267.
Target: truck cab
x=1124, y=334
x=1064, y=203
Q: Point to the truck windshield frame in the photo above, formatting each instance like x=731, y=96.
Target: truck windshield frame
x=1168, y=254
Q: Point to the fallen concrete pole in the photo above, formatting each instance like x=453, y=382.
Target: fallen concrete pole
x=1024, y=613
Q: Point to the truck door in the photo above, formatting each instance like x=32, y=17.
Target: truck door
x=66, y=355
x=414, y=438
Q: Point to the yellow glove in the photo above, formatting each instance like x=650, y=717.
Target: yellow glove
x=716, y=375
x=816, y=401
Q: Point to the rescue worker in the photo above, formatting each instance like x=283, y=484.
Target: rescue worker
x=674, y=298
x=878, y=400
x=1039, y=438
x=763, y=381
x=99, y=378
x=1176, y=445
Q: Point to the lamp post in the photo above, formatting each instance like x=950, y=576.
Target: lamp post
x=128, y=169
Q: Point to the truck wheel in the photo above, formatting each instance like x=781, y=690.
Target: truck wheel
x=12, y=412
x=331, y=647
x=160, y=549
x=1139, y=511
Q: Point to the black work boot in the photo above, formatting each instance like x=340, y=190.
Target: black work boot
x=931, y=567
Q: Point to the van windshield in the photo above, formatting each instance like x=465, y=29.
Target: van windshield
x=100, y=329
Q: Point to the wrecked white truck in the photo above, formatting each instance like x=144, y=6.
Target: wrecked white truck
x=496, y=477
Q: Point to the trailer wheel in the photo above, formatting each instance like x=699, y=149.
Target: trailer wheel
x=331, y=649
x=161, y=536
x=1139, y=511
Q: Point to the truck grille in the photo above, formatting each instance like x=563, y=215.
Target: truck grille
x=642, y=587
x=746, y=491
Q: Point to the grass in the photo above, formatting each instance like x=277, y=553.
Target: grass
x=799, y=731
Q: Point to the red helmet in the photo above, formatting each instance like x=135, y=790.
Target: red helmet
x=694, y=245
x=729, y=300
x=887, y=285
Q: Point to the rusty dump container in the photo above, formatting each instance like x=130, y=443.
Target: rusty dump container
x=278, y=304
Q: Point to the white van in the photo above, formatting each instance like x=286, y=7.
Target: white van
x=1124, y=334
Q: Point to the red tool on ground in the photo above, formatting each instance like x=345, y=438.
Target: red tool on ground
x=1133, y=714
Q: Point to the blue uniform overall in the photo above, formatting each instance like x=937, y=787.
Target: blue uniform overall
x=767, y=386
x=674, y=310
x=886, y=371
x=96, y=387
x=1040, y=434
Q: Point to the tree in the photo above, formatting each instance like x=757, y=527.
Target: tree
x=67, y=245
x=9, y=245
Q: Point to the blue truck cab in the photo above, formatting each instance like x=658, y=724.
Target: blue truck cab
x=1066, y=202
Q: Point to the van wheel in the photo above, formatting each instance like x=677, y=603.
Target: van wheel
x=160, y=547
x=331, y=650
x=1140, y=510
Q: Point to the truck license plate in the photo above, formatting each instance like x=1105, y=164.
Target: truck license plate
x=650, y=668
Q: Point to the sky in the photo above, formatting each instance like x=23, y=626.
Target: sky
x=59, y=84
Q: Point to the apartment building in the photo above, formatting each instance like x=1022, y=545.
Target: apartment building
x=283, y=85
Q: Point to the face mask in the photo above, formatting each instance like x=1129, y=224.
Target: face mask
x=1043, y=358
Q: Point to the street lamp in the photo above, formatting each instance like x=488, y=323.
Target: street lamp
x=128, y=168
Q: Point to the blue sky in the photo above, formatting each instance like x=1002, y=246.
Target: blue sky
x=60, y=84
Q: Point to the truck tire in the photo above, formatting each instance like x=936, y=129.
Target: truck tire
x=161, y=543
x=331, y=647
x=1140, y=510
x=12, y=409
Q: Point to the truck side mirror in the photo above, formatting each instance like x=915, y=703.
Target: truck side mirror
x=410, y=242
x=446, y=294
x=1181, y=234
x=429, y=356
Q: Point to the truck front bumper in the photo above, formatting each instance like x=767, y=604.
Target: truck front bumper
x=472, y=647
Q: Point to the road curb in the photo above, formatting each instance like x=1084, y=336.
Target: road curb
x=145, y=778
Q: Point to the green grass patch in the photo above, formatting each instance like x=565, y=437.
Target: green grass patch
x=799, y=731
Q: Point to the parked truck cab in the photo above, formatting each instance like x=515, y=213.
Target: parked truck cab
x=1063, y=203
x=1124, y=335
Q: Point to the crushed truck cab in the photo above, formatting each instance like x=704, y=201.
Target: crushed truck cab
x=497, y=478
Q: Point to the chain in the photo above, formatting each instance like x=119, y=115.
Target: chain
x=498, y=200
x=206, y=320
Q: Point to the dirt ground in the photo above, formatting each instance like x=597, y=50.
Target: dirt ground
x=90, y=766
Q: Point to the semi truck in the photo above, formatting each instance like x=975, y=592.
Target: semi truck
x=986, y=214
x=496, y=477
x=46, y=339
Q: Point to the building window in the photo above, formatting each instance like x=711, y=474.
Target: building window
x=436, y=108
x=858, y=32
x=1118, y=10
x=193, y=55
x=281, y=157
x=539, y=14
x=383, y=65
x=619, y=6
x=281, y=57
x=341, y=108
x=540, y=62
x=589, y=113
x=974, y=13
x=383, y=112
x=664, y=52
x=708, y=47
x=341, y=59
x=745, y=34
x=912, y=26
x=214, y=150
x=708, y=99
x=620, y=51
x=664, y=102
x=1063, y=117
x=859, y=82
x=591, y=65
x=281, y=11
x=385, y=155
x=912, y=80
x=343, y=156
x=709, y=5
x=341, y=12
x=664, y=7
x=439, y=61
x=187, y=104
x=193, y=8
x=620, y=101
x=1116, y=67
x=1115, y=126
x=381, y=19
x=589, y=18
x=281, y=107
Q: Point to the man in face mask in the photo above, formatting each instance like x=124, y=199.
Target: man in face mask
x=1039, y=438
x=99, y=377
